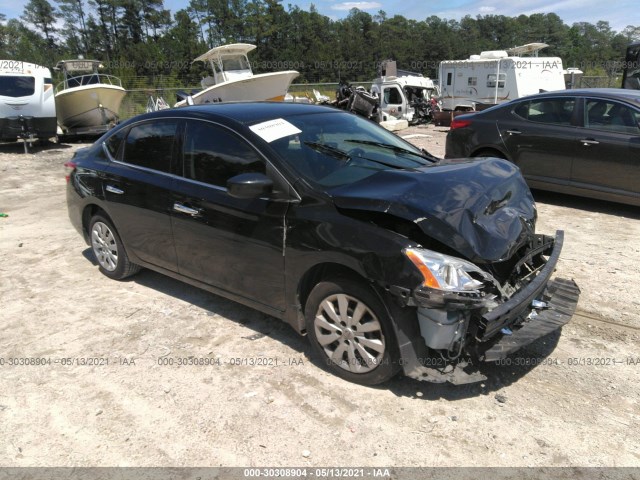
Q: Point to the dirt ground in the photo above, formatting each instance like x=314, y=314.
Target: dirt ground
x=111, y=392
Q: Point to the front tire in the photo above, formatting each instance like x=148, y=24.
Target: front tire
x=351, y=331
x=109, y=251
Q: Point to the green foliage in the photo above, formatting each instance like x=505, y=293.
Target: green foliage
x=42, y=15
x=141, y=39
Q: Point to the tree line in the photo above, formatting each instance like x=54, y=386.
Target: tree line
x=141, y=38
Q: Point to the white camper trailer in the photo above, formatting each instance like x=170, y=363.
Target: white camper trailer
x=402, y=95
x=498, y=76
x=27, y=106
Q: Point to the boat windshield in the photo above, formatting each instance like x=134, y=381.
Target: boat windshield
x=236, y=62
x=332, y=149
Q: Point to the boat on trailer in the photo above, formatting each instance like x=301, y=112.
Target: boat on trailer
x=232, y=78
x=87, y=102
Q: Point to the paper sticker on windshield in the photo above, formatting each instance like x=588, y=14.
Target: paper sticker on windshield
x=274, y=129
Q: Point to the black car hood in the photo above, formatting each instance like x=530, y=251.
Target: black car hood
x=482, y=208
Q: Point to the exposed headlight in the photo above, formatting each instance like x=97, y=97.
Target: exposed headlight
x=443, y=272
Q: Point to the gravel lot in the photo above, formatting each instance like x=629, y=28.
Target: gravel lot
x=262, y=401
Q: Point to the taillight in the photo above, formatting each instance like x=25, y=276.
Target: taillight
x=459, y=123
x=69, y=167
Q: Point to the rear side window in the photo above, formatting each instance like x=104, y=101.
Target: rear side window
x=17, y=86
x=213, y=154
x=113, y=143
x=150, y=145
x=556, y=111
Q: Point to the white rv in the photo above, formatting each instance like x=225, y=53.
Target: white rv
x=498, y=76
x=402, y=95
x=27, y=106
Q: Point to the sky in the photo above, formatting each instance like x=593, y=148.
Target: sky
x=619, y=13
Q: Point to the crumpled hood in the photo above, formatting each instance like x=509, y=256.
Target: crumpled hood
x=482, y=208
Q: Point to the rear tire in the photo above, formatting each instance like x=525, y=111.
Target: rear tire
x=109, y=251
x=350, y=330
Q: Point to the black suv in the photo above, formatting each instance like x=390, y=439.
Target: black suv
x=388, y=258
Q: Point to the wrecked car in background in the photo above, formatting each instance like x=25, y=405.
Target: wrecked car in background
x=387, y=258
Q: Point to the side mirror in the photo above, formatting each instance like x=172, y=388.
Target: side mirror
x=249, y=185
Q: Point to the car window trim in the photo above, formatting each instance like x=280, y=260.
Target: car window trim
x=119, y=154
x=292, y=192
x=268, y=163
x=574, y=120
x=622, y=103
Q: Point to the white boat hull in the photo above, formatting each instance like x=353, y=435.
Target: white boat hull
x=261, y=87
x=88, y=106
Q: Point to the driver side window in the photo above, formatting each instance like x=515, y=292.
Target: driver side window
x=611, y=116
x=392, y=96
x=213, y=154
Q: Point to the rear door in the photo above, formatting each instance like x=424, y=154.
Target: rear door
x=233, y=244
x=540, y=136
x=608, y=148
x=138, y=189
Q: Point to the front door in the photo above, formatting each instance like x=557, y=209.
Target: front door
x=233, y=244
x=391, y=102
x=608, y=148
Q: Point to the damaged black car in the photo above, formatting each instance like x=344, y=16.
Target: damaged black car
x=389, y=259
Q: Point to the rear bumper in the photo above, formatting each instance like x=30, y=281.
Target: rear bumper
x=11, y=128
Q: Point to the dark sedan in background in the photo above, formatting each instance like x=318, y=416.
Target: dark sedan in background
x=582, y=142
x=388, y=258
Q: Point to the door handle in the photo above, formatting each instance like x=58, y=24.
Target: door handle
x=514, y=132
x=112, y=189
x=178, y=207
x=587, y=141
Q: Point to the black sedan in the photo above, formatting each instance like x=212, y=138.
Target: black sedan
x=582, y=142
x=387, y=258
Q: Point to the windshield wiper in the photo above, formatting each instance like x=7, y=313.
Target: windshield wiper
x=425, y=155
x=329, y=150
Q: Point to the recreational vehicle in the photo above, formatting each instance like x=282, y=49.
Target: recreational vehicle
x=27, y=106
x=498, y=76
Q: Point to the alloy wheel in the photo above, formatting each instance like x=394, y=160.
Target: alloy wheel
x=104, y=246
x=349, y=333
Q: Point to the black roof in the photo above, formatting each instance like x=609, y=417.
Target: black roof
x=242, y=112
x=612, y=93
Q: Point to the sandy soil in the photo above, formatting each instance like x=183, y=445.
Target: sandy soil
x=261, y=401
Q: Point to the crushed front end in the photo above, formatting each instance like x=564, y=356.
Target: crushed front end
x=468, y=314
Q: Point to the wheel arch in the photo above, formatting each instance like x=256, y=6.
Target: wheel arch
x=88, y=212
x=321, y=272
x=491, y=151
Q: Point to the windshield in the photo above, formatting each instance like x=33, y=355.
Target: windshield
x=17, y=86
x=334, y=149
x=238, y=62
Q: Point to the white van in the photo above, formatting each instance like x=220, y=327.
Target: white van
x=27, y=106
x=402, y=95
